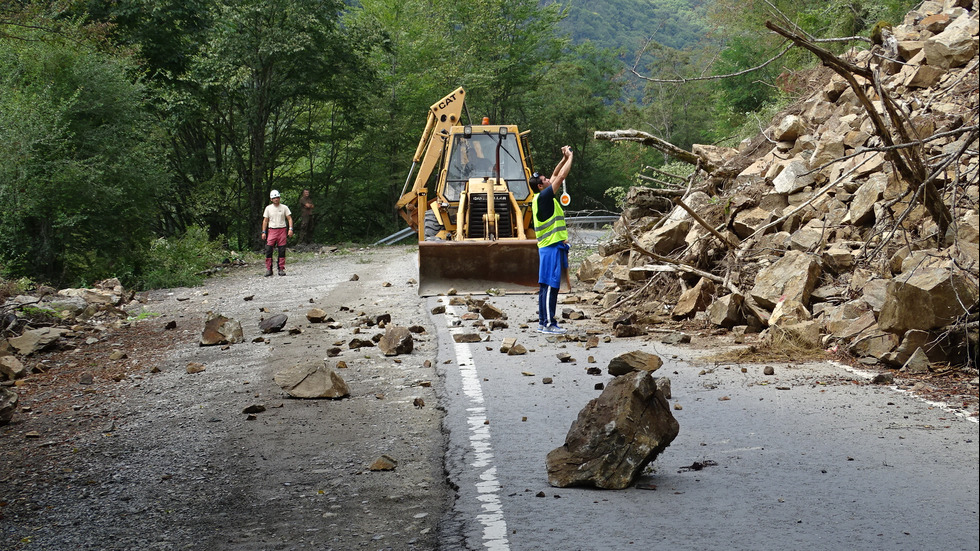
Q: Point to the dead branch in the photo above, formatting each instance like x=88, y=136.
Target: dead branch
x=665, y=192
x=669, y=186
x=627, y=298
x=660, y=145
x=909, y=165
x=675, y=263
x=666, y=174
x=697, y=218
x=714, y=77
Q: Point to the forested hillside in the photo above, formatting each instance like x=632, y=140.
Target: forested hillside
x=628, y=24
x=140, y=139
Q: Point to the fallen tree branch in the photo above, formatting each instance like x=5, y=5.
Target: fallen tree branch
x=697, y=218
x=909, y=166
x=667, y=186
x=626, y=299
x=660, y=145
x=713, y=77
x=676, y=264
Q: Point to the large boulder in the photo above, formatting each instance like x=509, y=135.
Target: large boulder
x=954, y=47
x=313, y=380
x=615, y=436
x=748, y=221
x=864, y=201
x=794, y=276
x=927, y=298
x=715, y=155
x=788, y=129
x=793, y=178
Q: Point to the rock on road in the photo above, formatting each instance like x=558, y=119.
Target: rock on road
x=811, y=456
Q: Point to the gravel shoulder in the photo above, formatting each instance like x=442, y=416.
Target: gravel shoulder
x=140, y=459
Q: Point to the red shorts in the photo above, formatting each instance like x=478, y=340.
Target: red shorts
x=277, y=237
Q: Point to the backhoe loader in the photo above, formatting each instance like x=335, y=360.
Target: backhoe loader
x=471, y=205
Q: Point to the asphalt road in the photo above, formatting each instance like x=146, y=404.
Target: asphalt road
x=812, y=457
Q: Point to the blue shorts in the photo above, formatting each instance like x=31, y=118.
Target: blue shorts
x=551, y=261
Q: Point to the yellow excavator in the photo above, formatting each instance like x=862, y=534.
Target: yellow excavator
x=471, y=205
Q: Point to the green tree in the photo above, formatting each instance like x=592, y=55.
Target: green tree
x=80, y=160
x=574, y=98
x=264, y=71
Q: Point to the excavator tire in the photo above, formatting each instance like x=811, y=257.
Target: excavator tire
x=432, y=226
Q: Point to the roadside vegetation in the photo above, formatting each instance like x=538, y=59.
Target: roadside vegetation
x=140, y=140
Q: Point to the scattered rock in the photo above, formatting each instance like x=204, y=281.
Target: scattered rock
x=626, y=331
x=356, y=344
x=273, y=324
x=8, y=404
x=316, y=315
x=397, y=340
x=634, y=361
x=517, y=350
x=220, y=330
x=491, y=312
x=312, y=380
x=384, y=463
x=194, y=367
x=12, y=368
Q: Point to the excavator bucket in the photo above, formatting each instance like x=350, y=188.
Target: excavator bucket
x=508, y=266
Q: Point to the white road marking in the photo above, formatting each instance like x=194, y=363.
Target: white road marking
x=488, y=489
x=941, y=405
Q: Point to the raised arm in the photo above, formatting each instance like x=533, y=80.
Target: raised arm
x=561, y=171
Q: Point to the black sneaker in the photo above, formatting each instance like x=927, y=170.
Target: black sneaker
x=281, y=272
x=268, y=273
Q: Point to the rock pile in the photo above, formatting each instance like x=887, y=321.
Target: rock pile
x=851, y=222
x=60, y=319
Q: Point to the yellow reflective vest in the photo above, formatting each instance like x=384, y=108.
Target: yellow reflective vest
x=552, y=230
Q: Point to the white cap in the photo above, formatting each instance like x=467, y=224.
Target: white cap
x=273, y=194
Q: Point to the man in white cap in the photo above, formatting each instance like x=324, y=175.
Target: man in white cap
x=275, y=231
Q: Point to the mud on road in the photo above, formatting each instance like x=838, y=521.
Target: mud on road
x=149, y=456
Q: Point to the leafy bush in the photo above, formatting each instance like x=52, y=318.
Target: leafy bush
x=81, y=162
x=179, y=261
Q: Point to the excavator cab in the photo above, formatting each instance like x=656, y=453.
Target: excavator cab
x=476, y=232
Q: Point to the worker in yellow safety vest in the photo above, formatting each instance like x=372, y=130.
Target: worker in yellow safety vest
x=552, y=235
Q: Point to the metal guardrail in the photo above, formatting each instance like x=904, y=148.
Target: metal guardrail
x=595, y=221
x=396, y=237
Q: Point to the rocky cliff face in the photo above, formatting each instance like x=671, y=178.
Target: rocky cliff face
x=850, y=222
